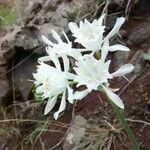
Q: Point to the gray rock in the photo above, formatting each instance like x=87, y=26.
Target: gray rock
x=139, y=34
x=4, y=89
x=25, y=37
x=75, y=134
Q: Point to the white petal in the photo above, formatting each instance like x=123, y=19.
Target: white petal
x=45, y=58
x=49, y=50
x=127, y=68
x=73, y=27
x=50, y=104
x=56, y=62
x=100, y=20
x=81, y=25
x=56, y=36
x=80, y=95
x=70, y=76
x=66, y=63
x=104, y=50
x=92, y=85
x=114, y=97
x=116, y=27
x=47, y=41
x=70, y=95
x=86, y=22
x=118, y=47
x=66, y=36
x=62, y=106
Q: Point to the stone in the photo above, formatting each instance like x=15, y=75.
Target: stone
x=139, y=34
x=22, y=44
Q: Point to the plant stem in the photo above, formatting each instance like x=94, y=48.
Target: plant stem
x=123, y=121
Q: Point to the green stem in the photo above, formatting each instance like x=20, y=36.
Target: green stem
x=121, y=117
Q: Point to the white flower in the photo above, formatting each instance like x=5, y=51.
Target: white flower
x=95, y=73
x=60, y=48
x=51, y=82
x=90, y=35
x=54, y=82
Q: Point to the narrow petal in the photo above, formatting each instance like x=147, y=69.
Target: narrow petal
x=50, y=105
x=70, y=95
x=49, y=49
x=114, y=97
x=62, y=106
x=56, y=62
x=127, y=68
x=44, y=58
x=66, y=36
x=81, y=24
x=70, y=76
x=56, y=36
x=104, y=51
x=118, y=47
x=87, y=22
x=47, y=41
x=66, y=63
x=100, y=20
x=73, y=27
x=80, y=95
x=116, y=27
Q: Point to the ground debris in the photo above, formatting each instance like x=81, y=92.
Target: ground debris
x=75, y=134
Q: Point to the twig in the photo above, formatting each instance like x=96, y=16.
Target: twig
x=97, y=9
x=42, y=144
x=109, y=143
x=112, y=127
x=47, y=130
x=125, y=87
x=139, y=121
x=20, y=120
x=105, y=9
x=127, y=9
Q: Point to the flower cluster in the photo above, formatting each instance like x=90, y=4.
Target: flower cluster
x=55, y=80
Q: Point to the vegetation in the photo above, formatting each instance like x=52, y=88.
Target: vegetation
x=7, y=16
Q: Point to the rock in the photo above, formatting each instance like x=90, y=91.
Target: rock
x=4, y=82
x=137, y=59
x=75, y=134
x=27, y=38
x=21, y=43
x=120, y=58
x=4, y=89
x=23, y=73
x=139, y=34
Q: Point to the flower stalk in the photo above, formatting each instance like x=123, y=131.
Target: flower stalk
x=91, y=70
x=121, y=117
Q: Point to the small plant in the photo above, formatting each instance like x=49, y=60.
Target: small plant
x=91, y=68
x=8, y=131
x=6, y=16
